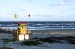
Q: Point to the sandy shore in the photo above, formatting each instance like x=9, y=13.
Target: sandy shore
x=47, y=45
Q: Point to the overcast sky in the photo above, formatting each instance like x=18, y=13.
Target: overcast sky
x=40, y=10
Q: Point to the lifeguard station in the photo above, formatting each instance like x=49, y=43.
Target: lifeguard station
x=21, y=33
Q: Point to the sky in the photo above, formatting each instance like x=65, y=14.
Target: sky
x=39, y=10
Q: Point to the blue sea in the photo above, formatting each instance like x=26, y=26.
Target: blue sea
x=40, y=25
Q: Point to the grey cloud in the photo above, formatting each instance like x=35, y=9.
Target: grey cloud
x=16, y=6
x=5, y=18
x=37, y=15
x=57, y=4
x=9, y=13
x=46, y=15
x=69, y=16
x=64, y=2
x=12, y=14
x=72, y=9
x=62, y=11
x=49, y=15
x=54, y=4
x=31, y=0
x=21, y=10
x=69, y=9
x=74, y=15
x=69, y=1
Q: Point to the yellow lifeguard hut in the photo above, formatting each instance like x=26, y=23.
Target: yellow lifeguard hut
x=21, y=33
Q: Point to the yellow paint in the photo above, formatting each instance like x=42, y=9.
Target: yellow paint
x=15, y=15
x=23, y=29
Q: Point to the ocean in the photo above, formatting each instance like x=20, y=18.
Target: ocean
x=43, y=26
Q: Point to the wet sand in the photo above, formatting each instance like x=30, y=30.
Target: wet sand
x=56, y=31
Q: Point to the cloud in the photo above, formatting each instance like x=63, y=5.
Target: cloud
x=72, y=9
x=9, y=14
x=5, y=18
x=37, y=15
x=73, y=0
x=32, y=0
x=39, y=18
x=69, y=1
x=44, y=15
x=55, y=4
x=59, y=4
x=48, y=15
x=68, y=16
x=62, y=3
x=21, y=10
